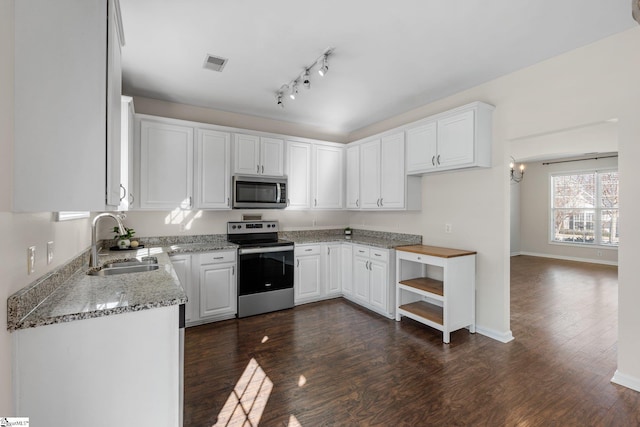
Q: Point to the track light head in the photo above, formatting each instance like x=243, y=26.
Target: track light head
x=280, y=103
x=324, y=69
x=294, y=90
x=306, y=79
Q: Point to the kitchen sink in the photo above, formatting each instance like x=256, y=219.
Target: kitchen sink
x=127, y=266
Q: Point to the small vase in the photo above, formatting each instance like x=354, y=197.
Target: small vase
x=124, y=243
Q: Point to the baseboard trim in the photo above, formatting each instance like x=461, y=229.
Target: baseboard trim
x=570, y=258
x=626, y=381
x=515, y=253
x=503, y=337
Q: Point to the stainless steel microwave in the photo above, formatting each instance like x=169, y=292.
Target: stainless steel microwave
x=254, y=192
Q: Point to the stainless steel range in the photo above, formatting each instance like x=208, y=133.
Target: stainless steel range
x=265, y=267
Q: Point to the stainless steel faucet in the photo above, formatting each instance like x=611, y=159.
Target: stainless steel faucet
x=94, y=248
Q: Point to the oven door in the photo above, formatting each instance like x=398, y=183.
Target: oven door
x=264, y=269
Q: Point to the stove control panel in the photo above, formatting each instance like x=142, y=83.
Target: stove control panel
x=248, y=227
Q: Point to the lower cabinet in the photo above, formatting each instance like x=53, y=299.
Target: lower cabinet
x=209, y=280
x=346, y=270
x=307, y=280
x=373, y=280
x=332, y=253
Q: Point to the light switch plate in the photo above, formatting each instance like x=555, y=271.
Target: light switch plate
x=31, y=259
x=50, y=248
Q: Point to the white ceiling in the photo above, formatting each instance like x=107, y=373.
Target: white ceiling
x=389, y=57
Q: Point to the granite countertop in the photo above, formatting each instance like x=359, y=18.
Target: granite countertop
x=358, y=240
x=187, y=248
x=84, y=297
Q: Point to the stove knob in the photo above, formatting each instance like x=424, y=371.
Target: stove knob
x=233, y=227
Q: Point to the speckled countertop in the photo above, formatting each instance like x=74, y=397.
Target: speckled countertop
x=68, y=293
x=83, y=297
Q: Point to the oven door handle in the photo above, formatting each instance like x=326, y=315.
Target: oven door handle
x=265, y=250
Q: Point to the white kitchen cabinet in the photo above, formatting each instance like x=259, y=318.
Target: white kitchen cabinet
x=353, y=177
x=332, y=269
x=346, y=253
x=214, y=278
x=328, y=177
x=212, y=182
x=127, y=132
x=382, y=177
x=66, y=142
x=308, y=274
x=436, y=286
x=255, y=155
x=133, y=357
x=299, y=175
x=182, y=265
x=166, y=165
x=373, y=285
x=456, y=139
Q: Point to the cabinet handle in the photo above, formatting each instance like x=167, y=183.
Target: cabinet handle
x=218, y=257
x=228, y=201
x=433, y=160
x=190, y=204
x=262, y=168
x=328, y=250
x=131, y=199
x=315, y=202
x=257, y=168
x=233, y=270
x=298, y=262
x=125, y=192
x=381, y=204
x=288, y=202
x=377, y=255
x=378, y=202
x=308, y=250
x=438, y=159
x=357, y=203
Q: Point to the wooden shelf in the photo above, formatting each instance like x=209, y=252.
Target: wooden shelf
x=425, y=310
x=435, y=251
x=425, y=284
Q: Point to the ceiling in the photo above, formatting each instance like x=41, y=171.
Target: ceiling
x=389, y=57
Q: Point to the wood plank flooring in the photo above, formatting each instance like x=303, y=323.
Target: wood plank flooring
x=336, y=364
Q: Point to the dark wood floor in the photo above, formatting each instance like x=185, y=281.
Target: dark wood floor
x=336, y=364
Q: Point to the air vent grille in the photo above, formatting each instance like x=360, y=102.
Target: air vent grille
x=215, y=63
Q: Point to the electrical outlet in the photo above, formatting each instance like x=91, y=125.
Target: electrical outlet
x=31, y=259
x=447, y=228
x=50, y=248
x=599, y=253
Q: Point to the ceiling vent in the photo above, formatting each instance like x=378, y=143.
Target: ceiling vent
x=214, y=63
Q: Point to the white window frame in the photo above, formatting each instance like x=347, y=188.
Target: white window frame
x=597, y=225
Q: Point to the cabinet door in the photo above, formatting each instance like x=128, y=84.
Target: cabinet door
x=127, y=126
x=456, y=140
x=271, y=156
x=217, y=290
x=307, y=278
x=347, y=268
x=114, y=105
x=299, y=175
x=213, y=175
x=182, y=266
x=353, y=177
x=246, y=154
x=392, y=177
x=333, y=268
x=422, y=148
x=379, y=284
x=328, y=177
x=361, y=278
x=166, y=166
x=370, y=174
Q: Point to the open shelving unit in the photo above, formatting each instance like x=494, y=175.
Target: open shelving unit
x=436, y=286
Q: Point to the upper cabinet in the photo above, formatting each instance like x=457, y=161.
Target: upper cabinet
x=67, y=113
x=382, y=180
x=213, y=170
x=456, y=139
x=127, y=130
x=255, y=155
x=315, y=173
x=353, y=177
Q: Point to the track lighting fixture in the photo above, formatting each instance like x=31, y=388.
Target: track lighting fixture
x=305, y=77
x=324, y=69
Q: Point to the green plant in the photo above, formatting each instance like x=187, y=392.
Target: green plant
x=129, y=235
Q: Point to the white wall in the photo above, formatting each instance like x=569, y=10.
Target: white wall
x=534, y=216
x=19, y=231
x=515, y=219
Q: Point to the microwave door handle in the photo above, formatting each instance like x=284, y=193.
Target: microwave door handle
x=278, y=192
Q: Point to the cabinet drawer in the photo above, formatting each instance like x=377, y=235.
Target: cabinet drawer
x=363, y=251
x=424, y=259
x=380, y=254
x=217, y=257
x=303, y=250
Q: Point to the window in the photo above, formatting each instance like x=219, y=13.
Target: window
x=584, y=208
